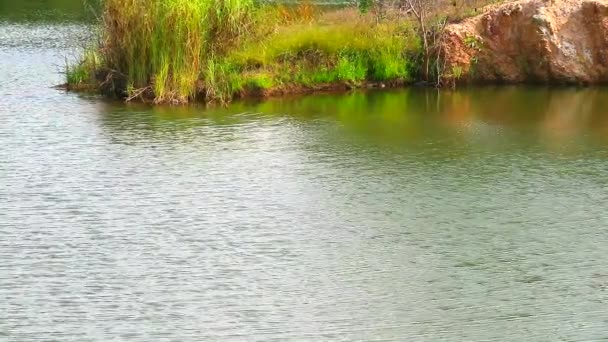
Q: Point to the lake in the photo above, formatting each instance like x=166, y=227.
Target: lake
x=406, y=215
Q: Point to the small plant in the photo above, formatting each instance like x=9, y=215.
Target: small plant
x=473, y=42
x=76, y=75
x=259, y=82
x=365, y=5
x=457, y=72
x=351, y=69
x=81, y=74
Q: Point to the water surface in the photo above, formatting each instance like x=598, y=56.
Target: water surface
x=410, y=215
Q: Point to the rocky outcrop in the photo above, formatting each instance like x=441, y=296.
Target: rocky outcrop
x=559, y=41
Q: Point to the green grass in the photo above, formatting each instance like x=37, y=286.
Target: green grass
x=165, y=44
x=77, y=74
x=215, y=50
x=347, y=53
x=81, y=74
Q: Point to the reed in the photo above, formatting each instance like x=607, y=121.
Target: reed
x=163, y=44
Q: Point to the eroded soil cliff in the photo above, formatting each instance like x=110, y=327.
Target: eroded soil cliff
x=560, y=41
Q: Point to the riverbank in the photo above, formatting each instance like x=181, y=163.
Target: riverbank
x=179, y=51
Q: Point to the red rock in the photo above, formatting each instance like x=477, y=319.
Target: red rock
x=560, y=41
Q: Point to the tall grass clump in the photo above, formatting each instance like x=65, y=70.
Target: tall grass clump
x=162, y=45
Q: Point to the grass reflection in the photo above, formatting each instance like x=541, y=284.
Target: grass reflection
x=485, y=117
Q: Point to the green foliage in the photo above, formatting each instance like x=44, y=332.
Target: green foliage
x=473, y=42
x=222, y=81
x=457, y=72
x=260, y=81
x=386, y=67
x=352, y=69
x=365, y=5
x=77, y=74
x=81, y=75
x=350, y=53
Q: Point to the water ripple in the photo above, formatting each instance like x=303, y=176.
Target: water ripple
x=348, y=218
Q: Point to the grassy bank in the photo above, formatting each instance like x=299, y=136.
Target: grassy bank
x=178, y=51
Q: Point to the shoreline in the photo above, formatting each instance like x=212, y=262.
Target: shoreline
x=243, y=50
x=337, y=89
x=290, y=92
x=213, y=51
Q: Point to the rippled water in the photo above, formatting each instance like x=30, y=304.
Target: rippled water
x=412, y=215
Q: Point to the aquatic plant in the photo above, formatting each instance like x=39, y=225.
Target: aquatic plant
x=80, y=76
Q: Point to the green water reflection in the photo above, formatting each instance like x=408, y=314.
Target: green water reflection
x=560, y=120
x=48, y=10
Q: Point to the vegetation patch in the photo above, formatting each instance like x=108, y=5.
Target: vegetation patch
x=178, y=51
